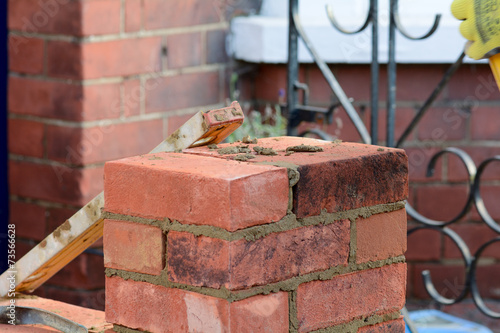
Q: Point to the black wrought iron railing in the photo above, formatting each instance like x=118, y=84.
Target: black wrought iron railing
x=299, y=110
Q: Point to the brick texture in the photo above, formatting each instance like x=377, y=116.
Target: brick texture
x=322, y=304
x=171, y=13
x=184, y=50
x=365, y=175
x=98, y=144
x=203, y=261
x=133, y=247
x=25, y=137
x=29, y=220
x=182, y=91
x=175, y=310
x=239, y=195
x=144, y=306
x=381, y=236
x=267, y=314
x=26, y=54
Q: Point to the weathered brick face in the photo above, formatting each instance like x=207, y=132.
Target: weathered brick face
x=291, y=272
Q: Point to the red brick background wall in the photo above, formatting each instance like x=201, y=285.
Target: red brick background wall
x=466, y=115
x=96, y=80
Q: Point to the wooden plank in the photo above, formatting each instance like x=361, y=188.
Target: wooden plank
x=86, y=226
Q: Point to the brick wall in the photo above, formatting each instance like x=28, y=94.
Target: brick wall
x=272, y=244
x=464, y=116
x=92, y=81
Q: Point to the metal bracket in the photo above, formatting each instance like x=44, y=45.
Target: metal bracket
x=29, y=316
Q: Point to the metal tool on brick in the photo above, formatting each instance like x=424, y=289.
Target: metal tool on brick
x=86, y=226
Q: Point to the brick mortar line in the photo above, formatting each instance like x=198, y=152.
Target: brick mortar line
x=429, y=184
x=287, y=223
x=41, y=161
x=124, y=329
x=352, y=326
x=358, y=323
x=84, y=124
x=287, y=285
x=89, y=123
x=205, y=68
x=293, y=321
x=41, y=203
x=122, y=36
x=427, y=144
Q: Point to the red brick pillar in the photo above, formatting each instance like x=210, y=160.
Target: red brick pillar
x=262, y=241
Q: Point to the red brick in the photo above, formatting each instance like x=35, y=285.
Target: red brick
x=448, y=280
x=100, y=17
x=101, y=101
x=355, y=81
x=184, y=50
x=172, y=13
x=418, y=160
x=204, y=261
x=133, y=247
x=393, y=326
x=120, y=57
x=132, y=98
x=322, y=304
x=490, y=195
x=472, y=84
x=182, y=91
x=416, y=82
x=199, y=261
x=59, y=184
x=79, y=146
x=320, y=91
x=374, y=176
x=85, y=272
x=78, y=18
x=26, y=137
x=64, y=60
x=269, y=81
x=133, y=15
x=216, y=47
x=29, y=220
x=483, y=120
x=440, y=202
x=443, y=124
x=26, y=55
x=263, y=313
x=46, y=99
x=487, y=279
x=240, y=195
x=143, y=306
x=53, y=17
x=474, y=236
x=381, y=236
x=423, y=245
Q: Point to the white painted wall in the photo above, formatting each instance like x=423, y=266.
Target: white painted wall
x=263, y=38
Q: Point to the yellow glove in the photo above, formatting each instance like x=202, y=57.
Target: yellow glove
x=481, y=26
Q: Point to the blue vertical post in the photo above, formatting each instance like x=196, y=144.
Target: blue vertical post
x=4, y=192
